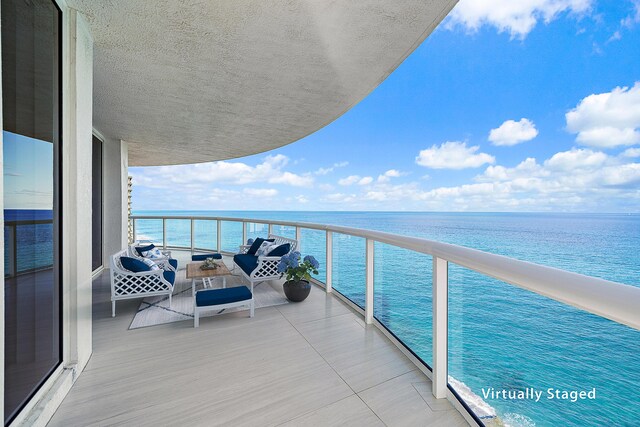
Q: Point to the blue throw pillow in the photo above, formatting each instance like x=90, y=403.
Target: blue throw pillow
x=142, y=249
x=280, y=250
x=256, y=244
x=134, y=265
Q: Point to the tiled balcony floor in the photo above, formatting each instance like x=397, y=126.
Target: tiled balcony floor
x=308, y=364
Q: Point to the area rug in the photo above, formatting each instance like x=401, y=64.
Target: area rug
x=156, y=311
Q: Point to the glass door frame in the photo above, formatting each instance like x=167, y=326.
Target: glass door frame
x=59, y=148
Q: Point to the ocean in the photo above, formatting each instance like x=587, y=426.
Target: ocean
x=501, y=337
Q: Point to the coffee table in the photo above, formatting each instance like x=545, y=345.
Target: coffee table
x=194, y=272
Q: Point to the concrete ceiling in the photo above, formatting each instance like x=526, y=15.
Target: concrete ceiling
x=194, y=81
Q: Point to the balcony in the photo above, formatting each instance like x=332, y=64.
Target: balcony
x=314, y=363
x=351, y=353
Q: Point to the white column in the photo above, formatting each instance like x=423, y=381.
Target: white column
x=164, y=233
x=244, y=233
x=219, y=235
x=368, y=303
x=440, y=327
x=192, y=235
x=329, y=262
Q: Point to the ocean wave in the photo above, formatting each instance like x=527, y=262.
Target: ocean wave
x=486, y=412
x=479, y=407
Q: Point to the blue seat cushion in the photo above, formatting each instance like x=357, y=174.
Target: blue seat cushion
x=133, y=265
x=209, y=297
x=142, y=249
x=280, y=250
x=169, y=276
x=246, y=262
x=202, y=257
x=173, y=263
x=256, y=244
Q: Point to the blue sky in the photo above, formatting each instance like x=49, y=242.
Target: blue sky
x=28, y=172
x=508, y=106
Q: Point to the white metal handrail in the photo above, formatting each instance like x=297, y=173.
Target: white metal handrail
x=611, y=300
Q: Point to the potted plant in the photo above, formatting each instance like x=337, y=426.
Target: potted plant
x=297, y=286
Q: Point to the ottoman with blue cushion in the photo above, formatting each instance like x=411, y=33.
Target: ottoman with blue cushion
x=219, y=299
x=202, y=257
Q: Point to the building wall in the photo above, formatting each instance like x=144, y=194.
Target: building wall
x=115, y=170
x=78, y=221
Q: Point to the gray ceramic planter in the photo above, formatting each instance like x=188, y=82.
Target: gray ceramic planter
x=296, y=291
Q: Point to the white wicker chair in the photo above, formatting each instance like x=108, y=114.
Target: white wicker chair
x=267, y=268
x=126, y=284
x=163, y=262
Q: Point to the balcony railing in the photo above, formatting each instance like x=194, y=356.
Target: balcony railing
x=24, y=241
x=369, y=269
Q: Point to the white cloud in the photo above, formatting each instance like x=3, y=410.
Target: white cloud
x=260, y=192
x=289, y=178
x=512, y=132
x=631, y=152
x=634, y=18
x=576, y=159
x=270, y=171
x=340, y=198
x=325, y=187
x=355, y=179
x=453, y=155
x=350, y=180
x=391, y=173
x=517, y=17
x=607, y=120
x=527, y=168
x=325, y=171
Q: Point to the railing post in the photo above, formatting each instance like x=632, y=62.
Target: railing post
x=368, y=304
x=440, y=327
x=329, y=262
x=299, y=238
x=244, y=233
x=133, y=229
x=164, y=233
x=12, y=249
x=218, y=236
x=192, y=235
x=270, y=228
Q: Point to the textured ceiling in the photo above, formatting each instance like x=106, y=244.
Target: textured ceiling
x=195, y=81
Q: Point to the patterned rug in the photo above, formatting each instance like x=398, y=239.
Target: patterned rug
x=156, y=311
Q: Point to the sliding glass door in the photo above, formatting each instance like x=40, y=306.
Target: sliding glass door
x=31, y=129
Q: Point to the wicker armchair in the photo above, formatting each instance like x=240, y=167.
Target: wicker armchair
x=126, y=284
x=260, y=269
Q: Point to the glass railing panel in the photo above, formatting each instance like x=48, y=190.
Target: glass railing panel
x=205, y=234
x=34, y=248
x=231, y=237
x=178, y=233
x=255, y=230
x=403, y=296
x=503, y=338
x=284, y=231
x=149, y=230
x=349, y=267
x=314, y=242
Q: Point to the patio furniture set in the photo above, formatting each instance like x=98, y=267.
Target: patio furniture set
x=142, y=270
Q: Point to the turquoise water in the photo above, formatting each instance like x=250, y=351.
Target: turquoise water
x=501, y=337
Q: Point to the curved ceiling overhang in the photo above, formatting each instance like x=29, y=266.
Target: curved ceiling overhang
x=196, y=81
